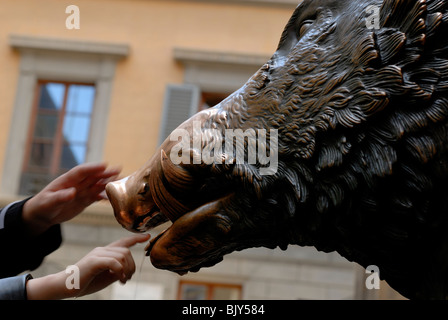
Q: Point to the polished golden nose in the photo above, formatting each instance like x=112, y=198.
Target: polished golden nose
x=118, y=197
x=116, y=188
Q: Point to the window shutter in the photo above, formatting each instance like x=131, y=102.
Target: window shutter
x=181, y=102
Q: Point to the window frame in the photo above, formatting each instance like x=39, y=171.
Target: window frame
x=211, y=286
x=55, y=164
x=63, y=60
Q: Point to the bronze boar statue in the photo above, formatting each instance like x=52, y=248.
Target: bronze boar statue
x=351, y=113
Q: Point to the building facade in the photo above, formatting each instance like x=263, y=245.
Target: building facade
x=107, y=80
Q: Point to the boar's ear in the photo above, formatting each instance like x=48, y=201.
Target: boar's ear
x=288, y=37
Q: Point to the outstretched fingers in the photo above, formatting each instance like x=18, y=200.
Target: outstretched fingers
x=91, y=179
x=90, y=182
x=86, y=175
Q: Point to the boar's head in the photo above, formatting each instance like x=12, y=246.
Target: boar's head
x=351, y=112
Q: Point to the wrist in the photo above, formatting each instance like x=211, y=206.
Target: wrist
x=32, y=221
x=51, y=287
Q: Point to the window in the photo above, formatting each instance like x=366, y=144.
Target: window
x=209, y=78
x=58, y=132
x=182, y=102
x=189, y=290
x=67, y=62
x=211, y=99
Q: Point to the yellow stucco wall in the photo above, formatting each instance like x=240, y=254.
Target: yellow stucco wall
x=152, y=29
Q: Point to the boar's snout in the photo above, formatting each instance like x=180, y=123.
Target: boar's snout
x=116, y=192
x=134, y=207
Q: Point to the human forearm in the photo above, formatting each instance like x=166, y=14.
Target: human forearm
x=51, y=287
x=16, y=239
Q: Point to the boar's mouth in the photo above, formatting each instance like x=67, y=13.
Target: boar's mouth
x=140, y=206
x=150, y=220
x=195, y=238
x=198, y=238
x=174, y=193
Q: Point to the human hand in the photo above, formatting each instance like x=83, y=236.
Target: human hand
x=67, y=196
x=105, y=265
x=97, y=270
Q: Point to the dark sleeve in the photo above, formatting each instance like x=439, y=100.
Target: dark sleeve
x=14, y=288
x=20, y=252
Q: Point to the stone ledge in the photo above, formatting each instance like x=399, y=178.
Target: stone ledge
x=278, y=3
x=24, y=42
x=186, y=55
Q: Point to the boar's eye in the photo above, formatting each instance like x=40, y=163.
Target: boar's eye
x=305, y=27
x=145, y=189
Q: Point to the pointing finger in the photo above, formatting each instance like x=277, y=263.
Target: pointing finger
x=130, y=241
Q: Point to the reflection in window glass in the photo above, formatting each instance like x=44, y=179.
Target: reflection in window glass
x=76, y=128
x=80, y=99
x=41, y=155
x=46, y=126
x=72, y=155
x=52, y=96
